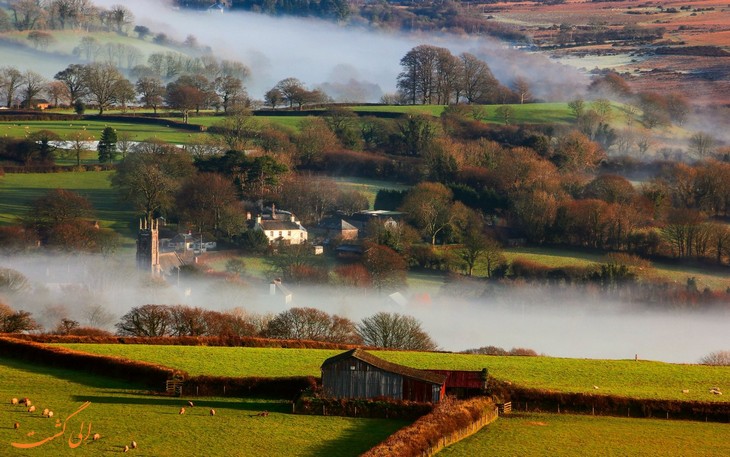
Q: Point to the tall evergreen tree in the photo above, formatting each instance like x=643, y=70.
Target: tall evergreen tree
x=107, y=145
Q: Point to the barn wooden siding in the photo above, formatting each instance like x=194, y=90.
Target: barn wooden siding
x=357, y=374
x=462, y=384
x=340, y=380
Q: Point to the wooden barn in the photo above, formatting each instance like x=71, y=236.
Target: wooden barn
x=464, y=384
x=358, y=374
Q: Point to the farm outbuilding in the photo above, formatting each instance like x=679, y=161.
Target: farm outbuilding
x=358, y=374
x=464, y=384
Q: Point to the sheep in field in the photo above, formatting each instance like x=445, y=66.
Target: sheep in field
x=50, y=413
x=133, y=444
x=190, y=403
x=13, y=401
x=212, y=412
x=31, y=409
x=96, y=436
x=16, y=425
x=45, y=412
x=182, y=410
x=126, y=448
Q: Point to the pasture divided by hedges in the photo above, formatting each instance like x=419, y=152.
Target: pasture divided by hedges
x=628, y=378
x=141, y=129
x=138, y=131
x=17, y=190
x=121, y=413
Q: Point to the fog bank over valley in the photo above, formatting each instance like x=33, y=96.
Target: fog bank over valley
x=559, y=324
x=321, y=53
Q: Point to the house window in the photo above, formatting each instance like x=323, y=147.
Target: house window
x=288, y=233
x=272, y=233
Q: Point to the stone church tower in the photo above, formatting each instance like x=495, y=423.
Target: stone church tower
x=148, y=247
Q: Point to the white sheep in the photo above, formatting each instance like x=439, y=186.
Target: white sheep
x=126, y=448
x=96, y=436
x=190, y=403
x=14, y=401
x=685, y=391
x=50, y=413
x=182, y=410
x=133, y=444
x=212, y=412
x=31, y=409
x=45, y=412
x=16, y=425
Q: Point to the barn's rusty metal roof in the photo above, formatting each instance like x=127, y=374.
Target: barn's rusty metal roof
x=377, y=362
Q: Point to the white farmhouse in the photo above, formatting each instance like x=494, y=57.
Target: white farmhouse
x=281, y=227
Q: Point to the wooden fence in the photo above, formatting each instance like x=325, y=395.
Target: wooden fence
x=505, y=408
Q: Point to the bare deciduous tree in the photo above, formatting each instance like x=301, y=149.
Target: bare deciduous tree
x=716, y=358
x=396, y=331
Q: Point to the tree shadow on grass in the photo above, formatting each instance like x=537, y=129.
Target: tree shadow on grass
x=76, y=376
x=357, y=439
x=201, y=403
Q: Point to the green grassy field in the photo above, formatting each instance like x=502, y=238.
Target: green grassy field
x=530, y=113
x=650, y=380
x=368, y=187
x=555, y=258
x=18, y=190
x=121, y=412
x=137, y=132
x=547, y=435
x=64, y=41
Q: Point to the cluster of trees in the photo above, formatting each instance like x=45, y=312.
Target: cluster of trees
x=59, y=220
x=291, y=91
x=432, y=75
x=207, y=84
x=65, y=14
x=390, y=330
x=15, y=321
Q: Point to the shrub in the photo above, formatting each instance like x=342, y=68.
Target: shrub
x=716, y=358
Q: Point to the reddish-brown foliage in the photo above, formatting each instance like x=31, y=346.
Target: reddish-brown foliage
x=446, y=424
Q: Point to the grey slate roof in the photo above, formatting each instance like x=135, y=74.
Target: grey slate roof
x=268, y=224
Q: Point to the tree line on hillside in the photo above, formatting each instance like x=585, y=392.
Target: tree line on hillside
x=387, y=330
x=64, y=14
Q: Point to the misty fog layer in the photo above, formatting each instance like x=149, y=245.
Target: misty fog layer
x=577, y=326
x=319, y=52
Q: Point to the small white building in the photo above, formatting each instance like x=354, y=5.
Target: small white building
x=276, y=288
x=282, y=227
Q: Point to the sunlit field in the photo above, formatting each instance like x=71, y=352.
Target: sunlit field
x=121, y=413
x=650, y=380
x=547, y=435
